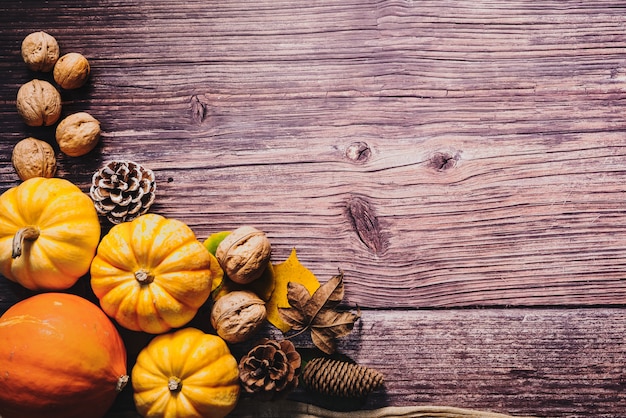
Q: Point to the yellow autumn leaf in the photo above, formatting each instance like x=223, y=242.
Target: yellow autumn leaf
x=288, y=271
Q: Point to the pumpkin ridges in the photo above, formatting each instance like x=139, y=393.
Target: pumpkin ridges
x=185, y=353
x=35, y=269
x=222, y=399
x=161, y=356
x=69, y=233
x=27, y=194
x=150, y=311
x=142, y=232
x=171, y=261
x=67, y=204
x=157, y=398
x=71, y=262
x=188, y=287
x=11, y=213
x=120, y=252
x=181, y=402
x=162, y=302
x=122, y=307
x=168, y=239
x=23, y=268
x=39, y=198
x=201, y=349
x=221, y=372
x=193, y=350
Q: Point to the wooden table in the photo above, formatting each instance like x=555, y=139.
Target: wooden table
x=463, y=162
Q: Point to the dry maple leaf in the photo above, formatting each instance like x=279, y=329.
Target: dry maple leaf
x=318, y=313
x=291, y=270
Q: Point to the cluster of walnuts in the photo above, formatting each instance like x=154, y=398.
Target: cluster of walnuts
x=39, y=104
x=271, y=368
x=244, y=255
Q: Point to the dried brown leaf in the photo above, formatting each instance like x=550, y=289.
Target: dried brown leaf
x=318, y=313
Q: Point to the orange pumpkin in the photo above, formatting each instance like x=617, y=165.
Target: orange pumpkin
x=60, y=357
x=185, y=374
x=152, y=274
x=49, y=231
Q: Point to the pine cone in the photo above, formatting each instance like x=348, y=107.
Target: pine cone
x=122, y=190
x=340, y=378
x=270, y=370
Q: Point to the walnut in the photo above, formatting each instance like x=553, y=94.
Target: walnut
x=244, y=254
x=33, y=158
x=78, y=134
x=39, y=103
x=71, y=71
x=238, y=315
x=40, y=51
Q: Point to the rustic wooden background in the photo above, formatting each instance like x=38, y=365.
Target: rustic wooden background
x=463, y=162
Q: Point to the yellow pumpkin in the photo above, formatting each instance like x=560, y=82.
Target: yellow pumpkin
x=49, y=232
x=185, y=374
x=152, y=274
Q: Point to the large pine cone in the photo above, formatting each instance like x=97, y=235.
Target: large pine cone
x=340, y=378
x=270, y=370
x=123, y=190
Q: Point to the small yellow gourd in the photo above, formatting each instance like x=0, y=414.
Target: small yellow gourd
x=49, y=232
x=152, y=274
x=185, y=374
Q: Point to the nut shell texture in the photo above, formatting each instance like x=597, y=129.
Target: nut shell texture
x=244, y=254
x=237, y=315
x=33, y=158
x=78, y=134
x=71, y=71
x=39, y=103
x=40, y=51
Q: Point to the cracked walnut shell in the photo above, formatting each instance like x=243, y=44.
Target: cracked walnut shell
x=238, y=315
x=40, y=51
x=33, y=158
x=39, y=103
x=78, y=134
x=71, y=71
x=244, y=254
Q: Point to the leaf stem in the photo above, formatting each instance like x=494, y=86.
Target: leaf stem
x=295, y=334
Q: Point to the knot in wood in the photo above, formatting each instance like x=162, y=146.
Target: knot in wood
x=358, y=152
x=443, y=160
x=365, y=223
x=199, y=109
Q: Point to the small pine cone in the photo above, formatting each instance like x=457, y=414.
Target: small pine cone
x=122, y=190
x=270, y=370
x=340, y=378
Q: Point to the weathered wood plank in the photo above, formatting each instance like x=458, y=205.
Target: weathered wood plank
x=442, y=154
x=493, y=135
x=529, y=362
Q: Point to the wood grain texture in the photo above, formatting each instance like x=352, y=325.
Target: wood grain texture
x=521, y=362
x=494, y=168
x=443, y=154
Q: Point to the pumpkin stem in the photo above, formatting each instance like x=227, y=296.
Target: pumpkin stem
x=30, y=233
x=144, y=277
x=121, y=382
x=174, y=384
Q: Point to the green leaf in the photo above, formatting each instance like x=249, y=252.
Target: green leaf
x=213, y=241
